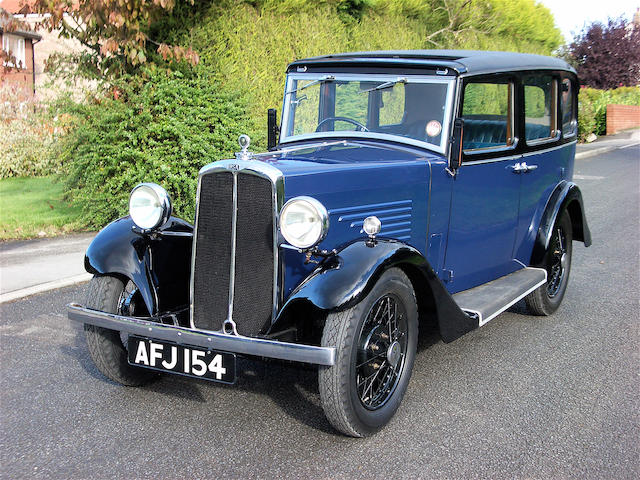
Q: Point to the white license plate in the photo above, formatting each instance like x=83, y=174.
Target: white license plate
x=182, y=360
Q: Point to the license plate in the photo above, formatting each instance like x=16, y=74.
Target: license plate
x=183, y=360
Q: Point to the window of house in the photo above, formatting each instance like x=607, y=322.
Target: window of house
x=540, y=100
x=487, y=110
x=14, y=46
x=569, y=122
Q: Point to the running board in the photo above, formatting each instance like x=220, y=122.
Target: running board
x=489, y=300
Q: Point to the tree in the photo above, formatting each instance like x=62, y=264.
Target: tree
x=607, y=56
x=116, y=33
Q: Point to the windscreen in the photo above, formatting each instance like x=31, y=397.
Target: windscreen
x=411, y=109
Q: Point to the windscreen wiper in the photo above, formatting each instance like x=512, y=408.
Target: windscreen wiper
x=326, y=78
x=384, y=85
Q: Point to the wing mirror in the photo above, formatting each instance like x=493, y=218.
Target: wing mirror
x=273, y=130
x=455, y=152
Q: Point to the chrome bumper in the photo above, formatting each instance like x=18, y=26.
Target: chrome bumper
x=198, y=338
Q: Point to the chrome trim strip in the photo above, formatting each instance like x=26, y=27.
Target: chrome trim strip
x=232, y=263
x=260, y=169
x=538, y=152
x=174, y=234
x=200, y=338
x=520, y=155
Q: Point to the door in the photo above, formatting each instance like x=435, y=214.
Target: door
x=486, y=190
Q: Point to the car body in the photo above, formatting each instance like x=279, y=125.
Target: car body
x=434, y=183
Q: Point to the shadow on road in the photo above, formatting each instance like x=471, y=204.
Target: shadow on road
x=292, y=387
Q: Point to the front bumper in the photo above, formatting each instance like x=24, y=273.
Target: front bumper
x=198, y=338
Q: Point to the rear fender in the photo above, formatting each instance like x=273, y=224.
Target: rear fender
x=343, y=280
x=566, y=196
x=159, y=263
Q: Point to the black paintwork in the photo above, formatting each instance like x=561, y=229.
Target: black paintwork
x=341, y=281
x=461, y=61
x=566, y=196
x=159, y=264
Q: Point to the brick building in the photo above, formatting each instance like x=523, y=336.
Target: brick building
x=19, y=70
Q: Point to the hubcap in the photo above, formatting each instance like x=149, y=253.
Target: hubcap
x=394, y=354
x=382, y=349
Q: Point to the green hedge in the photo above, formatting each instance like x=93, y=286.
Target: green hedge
x=592, y=107
x=249, y=43
x=161, y=129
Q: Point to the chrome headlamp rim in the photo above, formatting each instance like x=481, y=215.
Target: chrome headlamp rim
x=163, y=199
x=323, y=215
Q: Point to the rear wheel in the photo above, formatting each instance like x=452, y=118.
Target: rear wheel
x=376, y=346
x=557, y=261
x=108, y=347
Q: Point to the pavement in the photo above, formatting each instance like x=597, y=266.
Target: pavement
x=36, y=266
x=626, y=139
x=520, y=398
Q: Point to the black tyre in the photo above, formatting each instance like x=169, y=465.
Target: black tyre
x=107, y=347
x=546, y=299
x=376, y=347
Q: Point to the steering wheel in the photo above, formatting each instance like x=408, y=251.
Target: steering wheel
x=359, y=126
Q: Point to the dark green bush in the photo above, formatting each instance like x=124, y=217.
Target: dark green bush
x=162, y=129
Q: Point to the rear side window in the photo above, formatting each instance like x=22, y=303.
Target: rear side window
x=487, y=110
x=540, y=94
x=569, y=122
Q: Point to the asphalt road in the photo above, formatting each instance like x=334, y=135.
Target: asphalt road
x=522, y=397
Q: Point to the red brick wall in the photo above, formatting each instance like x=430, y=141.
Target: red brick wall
x=22, y=77
x=621, y=117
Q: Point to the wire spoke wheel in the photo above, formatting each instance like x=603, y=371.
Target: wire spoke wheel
x=382, y=349
x=556, y=266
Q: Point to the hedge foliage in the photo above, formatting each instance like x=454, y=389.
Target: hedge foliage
x=249, y=44
x=592, y=107
x=27, y=149
x=162, y=128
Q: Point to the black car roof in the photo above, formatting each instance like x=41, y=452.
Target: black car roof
x=461, y=61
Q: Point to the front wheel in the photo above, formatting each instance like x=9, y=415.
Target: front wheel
x=557, y=261
x=107, y=347
x=376, y=347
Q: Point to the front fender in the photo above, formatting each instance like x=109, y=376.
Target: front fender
x=159, y=264
x=343, y=280
x=566, y=196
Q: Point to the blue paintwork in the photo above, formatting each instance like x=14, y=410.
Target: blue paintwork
x=554, y=166
x=484, y=216
x=354, y=180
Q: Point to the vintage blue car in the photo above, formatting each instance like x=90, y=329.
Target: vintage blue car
x=402, y=187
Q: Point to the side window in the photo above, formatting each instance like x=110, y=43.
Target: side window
x=540, y=100
x=569, y=122
x=487, y=110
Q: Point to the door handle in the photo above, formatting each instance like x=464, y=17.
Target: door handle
x=527, y=168
x=517, y=168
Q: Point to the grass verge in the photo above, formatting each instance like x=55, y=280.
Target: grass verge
x=34, y=207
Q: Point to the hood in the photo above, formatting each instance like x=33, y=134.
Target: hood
x=341, y=157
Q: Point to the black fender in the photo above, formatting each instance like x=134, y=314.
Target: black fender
x=344, y=279
x=159, y=263
x=566, y=196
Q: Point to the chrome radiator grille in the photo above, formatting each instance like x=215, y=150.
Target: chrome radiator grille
x=233, y=266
